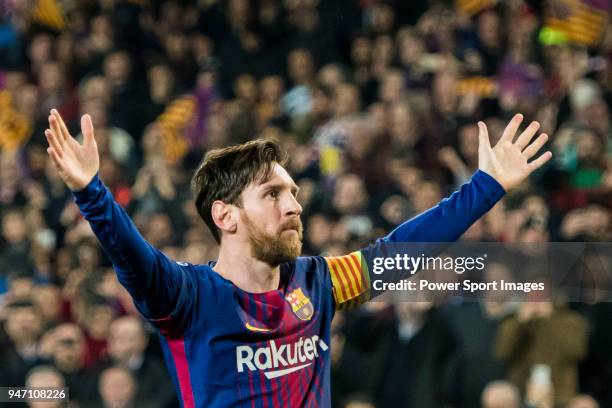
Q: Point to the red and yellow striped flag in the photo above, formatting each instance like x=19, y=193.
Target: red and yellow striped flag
x=581, y=22
x=472, y=7
x=15, y=128
x=173, y=123
x=484, y=87
x=49, y=13
x=350, y=280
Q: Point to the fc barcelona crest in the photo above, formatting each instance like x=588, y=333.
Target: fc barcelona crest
x=300, y=304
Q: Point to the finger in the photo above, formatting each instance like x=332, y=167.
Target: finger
x=483, y=135
x=540, y=161
x=512, y=127
x=55, y=128
x=88, y=131
x=534, y=147
x=65, y=134
x=57, y=161
x=524, y=138
x=53, y=142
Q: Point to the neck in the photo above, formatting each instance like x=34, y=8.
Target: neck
x=246, y=272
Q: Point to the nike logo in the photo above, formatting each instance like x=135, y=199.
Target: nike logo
x=273, y=374
x=256, y=329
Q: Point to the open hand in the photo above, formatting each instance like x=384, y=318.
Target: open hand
x=77, y=164
x=508, y=162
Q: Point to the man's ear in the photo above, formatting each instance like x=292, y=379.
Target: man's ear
x=224, y=217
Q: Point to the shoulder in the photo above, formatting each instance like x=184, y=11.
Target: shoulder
x=311, y=264
x=203, y=275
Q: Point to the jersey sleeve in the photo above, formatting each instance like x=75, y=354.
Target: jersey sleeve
x=164, y=291
x=446, y=222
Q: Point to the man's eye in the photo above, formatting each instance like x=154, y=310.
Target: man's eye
x=274, y=194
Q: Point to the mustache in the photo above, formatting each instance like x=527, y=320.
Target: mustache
x=294, y=224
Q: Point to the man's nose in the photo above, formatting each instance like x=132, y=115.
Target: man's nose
x=293, y=207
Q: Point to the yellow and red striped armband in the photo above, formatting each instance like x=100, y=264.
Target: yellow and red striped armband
x=350, y=279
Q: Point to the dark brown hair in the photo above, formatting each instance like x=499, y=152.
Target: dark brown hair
x=225, y=173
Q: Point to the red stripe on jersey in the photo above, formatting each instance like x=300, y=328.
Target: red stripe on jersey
x=177, y=349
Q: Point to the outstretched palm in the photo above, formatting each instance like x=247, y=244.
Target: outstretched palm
x=77, y=164
x=508, y=162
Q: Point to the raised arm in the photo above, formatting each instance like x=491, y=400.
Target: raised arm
x=162, y=289
x=501, y=168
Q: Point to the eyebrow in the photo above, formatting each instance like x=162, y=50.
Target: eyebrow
x=270, y=185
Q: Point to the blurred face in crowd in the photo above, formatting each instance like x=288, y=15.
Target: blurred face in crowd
x=98, y=321
x=23, y=324
x=318, y=231
x=159, y=229
x=391, y=87
x=245, y=88
x=360, y=140
x=500, y=395
x=350, y=195
x=127, y=339
x=428, y=195
x=583, y=401
x=101, y=26
x=301, y=66
x=239, y=11
x=50, y=78
x=360, y=51
x=588, y=147
x=271, y=89
x=69, y=347
x=402, y=124
x=383, y=18
x=117, y=387
x=468, y=143
x=270, y=217
x=489, y=29
x=41, y=48
x=48, y=298
x=97, y=89
x=176, y=46
x=445, y=92
x=21, y=288
x=382, y=51
x=330, y=76
x=26, y=101
x=117, y=68
x=13, y=227
x=346, y=100
x=161, y=81
x=14, y=79
x=45, y=377
x=411, y=48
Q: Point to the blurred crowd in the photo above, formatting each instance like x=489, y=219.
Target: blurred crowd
x=376, y=102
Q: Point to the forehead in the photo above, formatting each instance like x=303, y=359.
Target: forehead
x=278, y=177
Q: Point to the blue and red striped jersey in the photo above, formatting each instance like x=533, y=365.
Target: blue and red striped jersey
x=225, y=347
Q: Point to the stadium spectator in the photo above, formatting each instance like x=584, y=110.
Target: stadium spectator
x=117, y=387
x=582, y=401
x=501, y=394
x=127, y=342
x=535, y=335
x=46, y=377
x=19, y=336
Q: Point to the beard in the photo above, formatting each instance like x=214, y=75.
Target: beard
x=275, y=249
